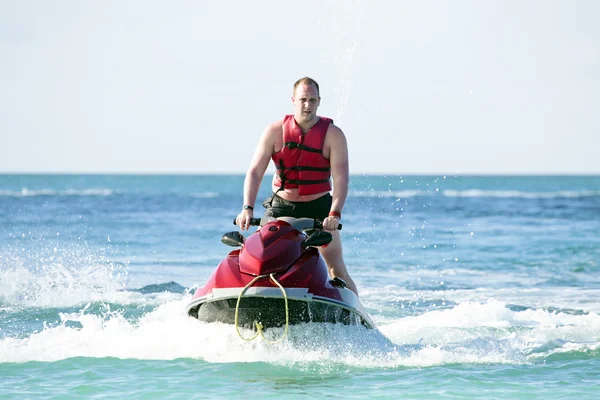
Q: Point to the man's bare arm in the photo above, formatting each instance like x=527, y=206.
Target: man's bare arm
x=338, y=158
x=256, y=172
x=259, y=164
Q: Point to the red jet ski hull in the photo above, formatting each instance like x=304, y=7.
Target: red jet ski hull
x=276, y=249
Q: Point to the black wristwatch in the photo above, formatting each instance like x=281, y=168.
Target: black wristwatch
x=247, y=207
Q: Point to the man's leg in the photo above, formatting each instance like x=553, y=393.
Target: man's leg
x=335, y=261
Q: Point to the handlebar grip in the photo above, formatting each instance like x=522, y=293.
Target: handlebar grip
x=319, y=225
x=253, y=221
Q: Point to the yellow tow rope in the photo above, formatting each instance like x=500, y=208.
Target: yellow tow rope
x=259, y=327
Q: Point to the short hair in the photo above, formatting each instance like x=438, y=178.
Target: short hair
x=307, y=81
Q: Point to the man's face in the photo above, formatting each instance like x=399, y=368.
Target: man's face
x=306, y=102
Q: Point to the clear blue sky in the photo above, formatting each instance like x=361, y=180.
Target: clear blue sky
x=188, y=86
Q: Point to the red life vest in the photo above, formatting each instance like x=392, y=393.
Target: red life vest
x=300, y=163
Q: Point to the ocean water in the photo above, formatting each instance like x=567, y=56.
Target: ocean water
x=480, y=286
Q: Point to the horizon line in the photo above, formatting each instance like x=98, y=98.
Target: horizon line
x=220, y=173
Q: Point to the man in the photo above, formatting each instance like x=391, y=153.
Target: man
x=307, y=151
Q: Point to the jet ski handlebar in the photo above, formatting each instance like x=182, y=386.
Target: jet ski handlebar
x=298, y=223
x=253, y=221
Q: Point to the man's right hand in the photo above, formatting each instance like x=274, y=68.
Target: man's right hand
x=243, y=219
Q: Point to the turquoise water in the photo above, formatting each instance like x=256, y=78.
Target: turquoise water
x=483, y=287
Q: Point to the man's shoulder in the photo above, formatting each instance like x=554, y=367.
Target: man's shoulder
x=273, y=132
x=335, y=139
x=275, y=127
x=334, y=130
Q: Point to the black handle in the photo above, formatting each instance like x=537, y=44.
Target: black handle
x=253, y=221
x=319, y=225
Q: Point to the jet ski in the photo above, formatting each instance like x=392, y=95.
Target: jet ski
x=277, y=278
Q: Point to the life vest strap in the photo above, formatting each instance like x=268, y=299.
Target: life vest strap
x=295, y=145
x=305, y=168
x=306, y=182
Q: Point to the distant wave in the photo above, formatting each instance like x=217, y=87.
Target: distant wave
x=24, y=192
x=396, y=194
x=474, y=193
x=206, y=195
x=401, y=194
x=521, y=194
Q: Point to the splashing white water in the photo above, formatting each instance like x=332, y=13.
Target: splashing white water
x=56, y=275
x=477, y=330
x=467, y=333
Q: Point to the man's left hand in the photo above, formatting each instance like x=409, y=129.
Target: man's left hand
x=331, y=223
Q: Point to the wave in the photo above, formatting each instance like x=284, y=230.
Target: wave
x=559, y=350
x=468, y=333
x=206, y=195
x=521, y=335
x=171, y=287
x=24, y=192
x=522, y=194
x=492, y=313
x=401, y=194
x=478, y=193
x=397, y=194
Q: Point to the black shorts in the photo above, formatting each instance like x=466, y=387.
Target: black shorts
x=278, y=207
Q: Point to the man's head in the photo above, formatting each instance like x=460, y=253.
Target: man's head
x=306, y=99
